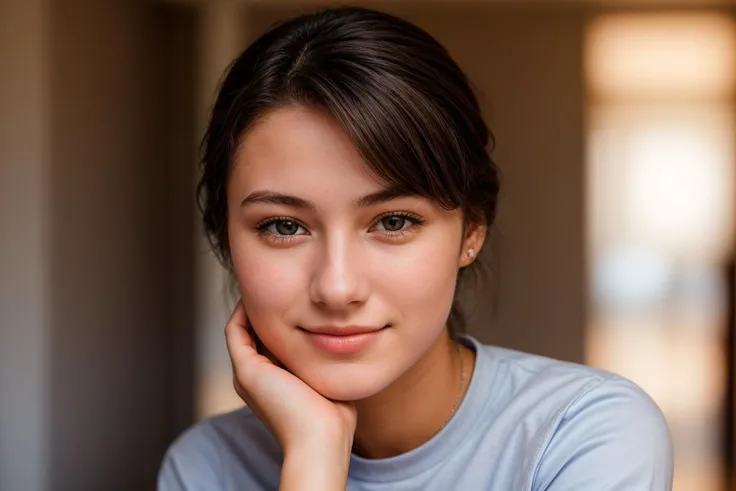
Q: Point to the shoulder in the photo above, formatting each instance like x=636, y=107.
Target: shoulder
x=584, y=428
x=570, y=388
x=611, y=435
x=193, y=461
x=542, y=384
x=205, y=455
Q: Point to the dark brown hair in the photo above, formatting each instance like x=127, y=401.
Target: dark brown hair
x=394, y=89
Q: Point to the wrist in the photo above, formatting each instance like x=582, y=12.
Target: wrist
x=321, y=446
x=330, y=441
x=319, y=465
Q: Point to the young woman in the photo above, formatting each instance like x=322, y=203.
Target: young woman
x=347, y=185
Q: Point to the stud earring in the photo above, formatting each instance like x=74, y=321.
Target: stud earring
x=471, y=253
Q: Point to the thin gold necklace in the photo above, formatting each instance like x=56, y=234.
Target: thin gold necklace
x=460, y=392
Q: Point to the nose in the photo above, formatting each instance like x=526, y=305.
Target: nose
x=337, y=282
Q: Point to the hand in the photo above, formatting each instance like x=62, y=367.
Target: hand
x=302, y=420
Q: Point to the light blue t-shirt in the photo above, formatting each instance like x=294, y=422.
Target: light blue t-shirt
x=527, y=423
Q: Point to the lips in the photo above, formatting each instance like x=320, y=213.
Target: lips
x=343, y=331
x=343, y=340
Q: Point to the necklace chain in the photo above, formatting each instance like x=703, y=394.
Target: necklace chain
x=460, y=392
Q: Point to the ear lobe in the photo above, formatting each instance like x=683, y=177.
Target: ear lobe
x=475, y=236
x=467, y=256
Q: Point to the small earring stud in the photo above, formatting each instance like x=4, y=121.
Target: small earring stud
x=471, y=253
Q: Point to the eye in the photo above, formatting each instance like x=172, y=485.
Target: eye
x=392, y=223
x=397, y=223
x=282, y=227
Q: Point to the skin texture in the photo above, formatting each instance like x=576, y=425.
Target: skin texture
x=337, y=262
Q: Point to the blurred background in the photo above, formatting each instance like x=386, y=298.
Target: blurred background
x=616, y=130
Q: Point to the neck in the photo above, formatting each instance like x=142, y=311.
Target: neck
x=415, y=407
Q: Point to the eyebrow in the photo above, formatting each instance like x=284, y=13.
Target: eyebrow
x=273, y=197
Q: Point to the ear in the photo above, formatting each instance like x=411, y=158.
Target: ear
x=475, y=236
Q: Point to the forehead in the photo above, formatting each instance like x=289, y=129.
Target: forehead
x=301, y=151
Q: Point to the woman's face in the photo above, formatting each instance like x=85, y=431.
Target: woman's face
x=319, y=244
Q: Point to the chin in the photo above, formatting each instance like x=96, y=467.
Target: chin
x=347, y=383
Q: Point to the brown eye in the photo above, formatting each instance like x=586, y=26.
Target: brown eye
x=286, y=227
x=282, y=227
x=393, y=223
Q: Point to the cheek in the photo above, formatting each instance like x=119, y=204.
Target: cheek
x=270, y=285
x=420, y=283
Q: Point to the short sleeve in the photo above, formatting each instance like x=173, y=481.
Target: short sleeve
x=192, y=462
x=613, y=437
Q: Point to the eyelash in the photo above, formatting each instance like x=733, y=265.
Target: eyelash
x=415, y=222
x=262, y=227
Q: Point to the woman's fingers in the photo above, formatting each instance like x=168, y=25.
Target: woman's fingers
x=242, y=349
x=240, y=345
x=242, y=341
x=239, y=341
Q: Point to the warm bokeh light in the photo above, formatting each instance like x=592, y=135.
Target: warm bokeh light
x=661, y=170
x=673, y=182
x=687, y=361
x=681, y=192
x=659, y=56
